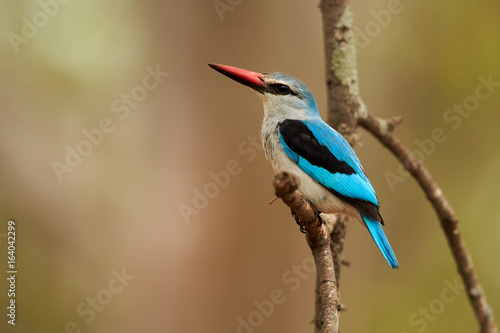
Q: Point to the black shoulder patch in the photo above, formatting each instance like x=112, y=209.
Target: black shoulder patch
x=299, y=138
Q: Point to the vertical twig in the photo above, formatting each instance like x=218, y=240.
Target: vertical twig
x=343, y=100
x=326, y=318
x=337, y=237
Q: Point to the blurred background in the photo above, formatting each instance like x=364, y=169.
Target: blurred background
x=141, y=197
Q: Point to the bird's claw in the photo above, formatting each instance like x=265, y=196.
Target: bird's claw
x=299, y=222
x=317, y=213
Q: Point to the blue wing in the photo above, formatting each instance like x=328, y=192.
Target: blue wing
x=325, y=156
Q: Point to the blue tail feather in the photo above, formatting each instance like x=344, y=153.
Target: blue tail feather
x=378, y=235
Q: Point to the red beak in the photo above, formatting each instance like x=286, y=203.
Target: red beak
x=251, y=79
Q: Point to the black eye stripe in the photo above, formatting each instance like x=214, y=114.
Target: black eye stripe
x=281, y=89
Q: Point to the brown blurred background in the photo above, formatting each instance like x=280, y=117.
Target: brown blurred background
x=70, y=68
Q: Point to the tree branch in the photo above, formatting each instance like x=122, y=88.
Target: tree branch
x=346, y=111
x=445, y=214
x=337, y=236
x=343, y=100
x=344, y=103
x=326, y=318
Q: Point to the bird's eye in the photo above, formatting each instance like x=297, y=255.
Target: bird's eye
x=282, y=89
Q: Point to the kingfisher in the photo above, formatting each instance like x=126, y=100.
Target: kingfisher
x=296, y=140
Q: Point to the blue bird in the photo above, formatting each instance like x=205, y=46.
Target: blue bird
x=298, y=141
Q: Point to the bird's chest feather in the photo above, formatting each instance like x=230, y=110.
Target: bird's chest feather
x=270, y=141
x=273, y=148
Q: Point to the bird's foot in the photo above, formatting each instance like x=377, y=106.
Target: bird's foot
x=299, y=222
x=317, y=213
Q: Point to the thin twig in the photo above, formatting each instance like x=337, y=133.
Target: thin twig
x=447, y=218
x=337, y=237
x=318, y=239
